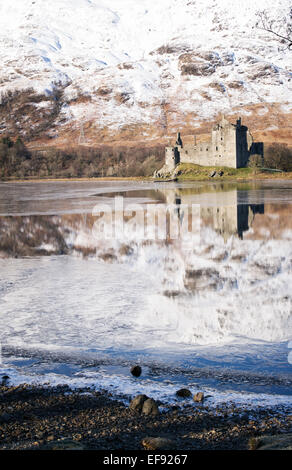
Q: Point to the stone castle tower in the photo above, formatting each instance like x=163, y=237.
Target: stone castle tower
x=229, y=145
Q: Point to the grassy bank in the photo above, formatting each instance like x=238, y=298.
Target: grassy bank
x=184, y=172
x=192, y=172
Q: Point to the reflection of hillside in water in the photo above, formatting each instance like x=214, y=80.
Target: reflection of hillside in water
x=226, y=209
x=39, y=235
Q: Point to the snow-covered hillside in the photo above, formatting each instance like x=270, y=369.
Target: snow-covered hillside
x=141, y=69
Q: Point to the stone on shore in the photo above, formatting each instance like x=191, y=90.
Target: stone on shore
x=199, y=397
x=150, y=408
x=184, y=393
x=5, y=379
x=137, y=403
x=136, y=371
x=157, y=443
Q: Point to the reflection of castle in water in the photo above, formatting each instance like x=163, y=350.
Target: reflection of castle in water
x=231, y=220
x=222, y=211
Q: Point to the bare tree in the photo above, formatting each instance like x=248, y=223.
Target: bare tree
x=266, y=23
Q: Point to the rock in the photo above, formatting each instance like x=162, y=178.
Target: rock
x=183, y=393
x=157, y=443
x=5, y=418
x=199, y=397
x=137, y=403
x=245, y=417
x=175, y=408
x=150, y=408
x=277, y=442
x=136, y=371
x=5, y=379
x=199, y=69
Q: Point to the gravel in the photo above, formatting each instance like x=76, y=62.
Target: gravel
x=34, y=417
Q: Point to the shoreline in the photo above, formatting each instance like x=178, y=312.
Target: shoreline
x=231, y=179
x=57, y=418
x=103, y=178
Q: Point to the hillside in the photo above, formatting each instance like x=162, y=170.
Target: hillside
x=91, y=72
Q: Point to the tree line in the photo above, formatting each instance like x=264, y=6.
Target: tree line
x=17, y=161
x=277, y=156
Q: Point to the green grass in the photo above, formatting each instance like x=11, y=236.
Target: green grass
x=190, y=171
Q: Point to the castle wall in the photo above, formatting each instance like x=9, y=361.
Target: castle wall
x=230, y=145
x=198, y=154
x=224, y=145
x=171, y=157
x=220, y=151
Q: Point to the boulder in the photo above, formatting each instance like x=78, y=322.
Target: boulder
x=5, y=379
x=199, y=397
x=137, y=403
x=150, y=407
x=277, y=442
x=136, y=371
x=183, y=393
x=157, y=443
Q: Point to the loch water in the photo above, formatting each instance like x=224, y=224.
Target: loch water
x=210, y=311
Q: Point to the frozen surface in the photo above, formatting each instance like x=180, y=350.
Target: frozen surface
x=84, y=321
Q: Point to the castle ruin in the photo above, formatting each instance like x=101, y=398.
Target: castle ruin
x=229, y=145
